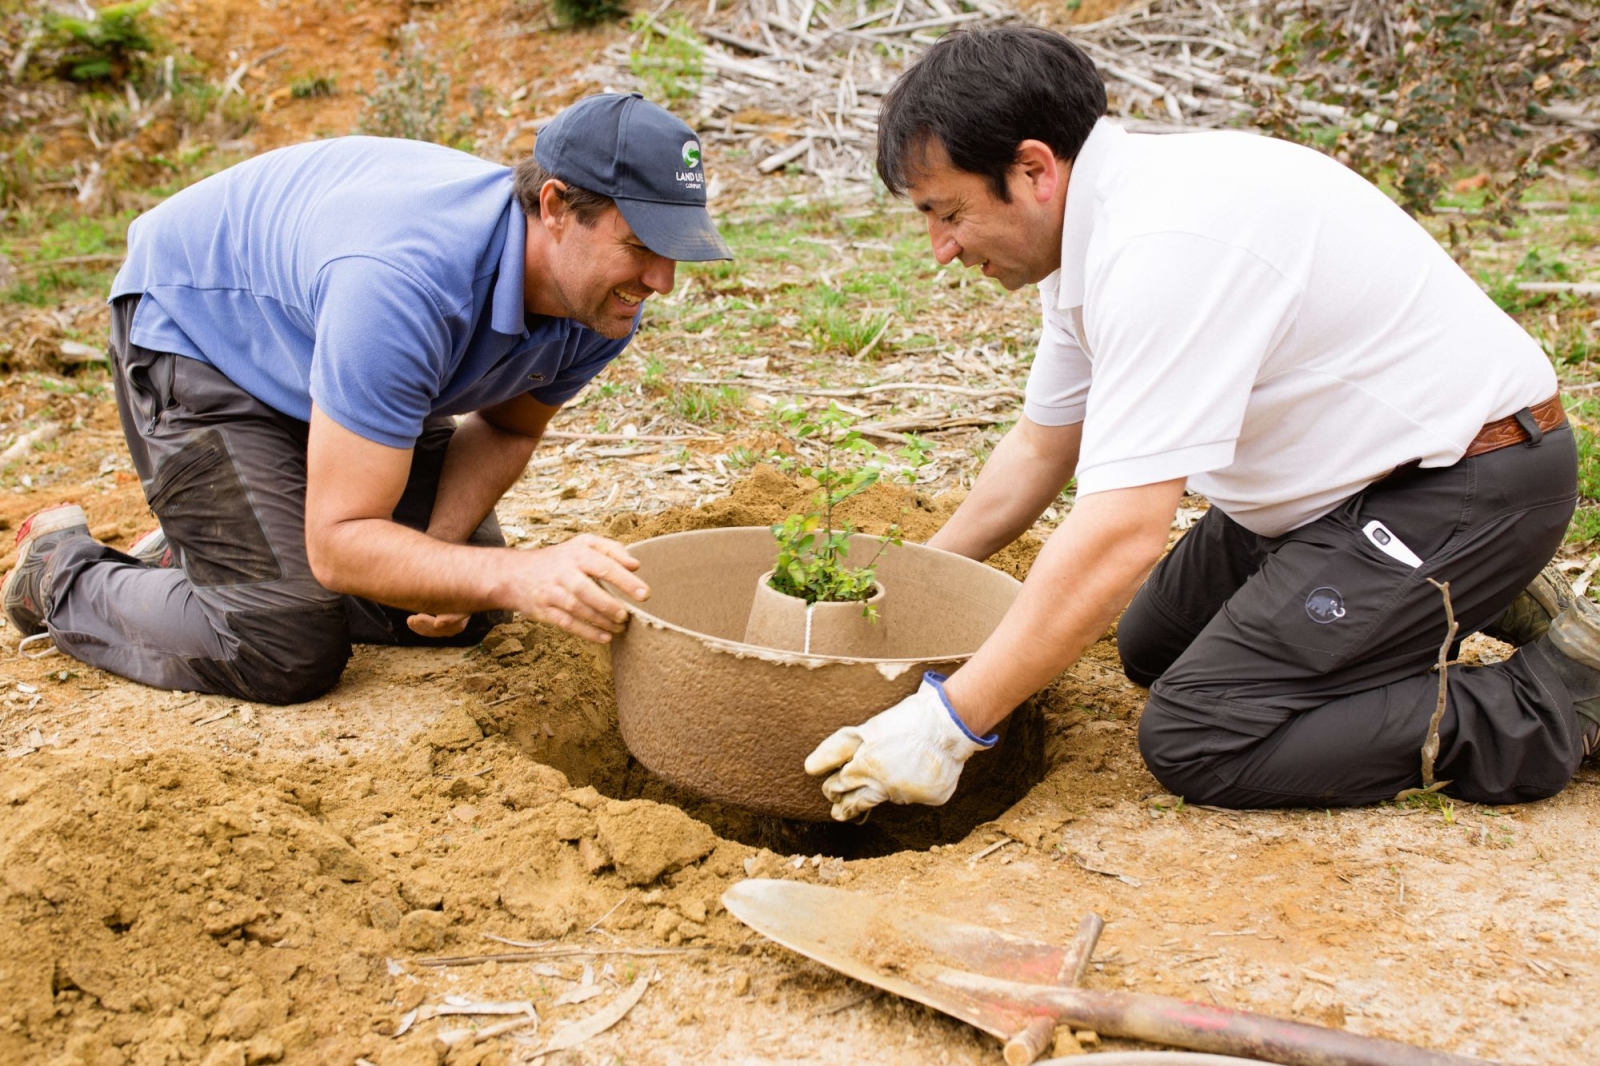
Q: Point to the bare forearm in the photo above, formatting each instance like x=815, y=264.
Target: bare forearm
x=1088, y=572
x=385, y=561
x=480, y=465
x=1027, y=470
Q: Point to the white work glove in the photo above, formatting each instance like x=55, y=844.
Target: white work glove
x=911, y=753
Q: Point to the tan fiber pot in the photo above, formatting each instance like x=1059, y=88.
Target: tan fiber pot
x=789, y=623
x=734, y=722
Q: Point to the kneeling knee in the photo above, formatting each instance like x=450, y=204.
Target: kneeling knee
x=1173, y=746
x=1144, y=648
x=291, y=656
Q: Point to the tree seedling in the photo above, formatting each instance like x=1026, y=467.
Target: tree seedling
x=811, y=546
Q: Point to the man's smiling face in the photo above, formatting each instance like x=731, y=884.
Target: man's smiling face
x=601, y=273
x=1017, y=242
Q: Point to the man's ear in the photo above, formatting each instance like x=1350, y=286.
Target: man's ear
x=553, y=208
x=1037, y=166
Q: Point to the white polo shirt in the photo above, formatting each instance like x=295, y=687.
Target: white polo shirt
x=1253, y=316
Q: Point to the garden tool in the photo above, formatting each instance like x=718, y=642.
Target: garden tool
x=1019, y=990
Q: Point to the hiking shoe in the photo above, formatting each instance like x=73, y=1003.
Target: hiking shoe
x=26, y=592
x=1575, y=631
x=154, y=550
x=1530, y=615
x=1590, y=721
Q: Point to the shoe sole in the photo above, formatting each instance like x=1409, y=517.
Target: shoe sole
x=52, y=519
x=1551, y=591
x=142, y=549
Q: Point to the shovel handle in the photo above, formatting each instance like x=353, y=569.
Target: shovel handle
x=1035, y=1038
x=1031, y=1041
x=1197, y=1027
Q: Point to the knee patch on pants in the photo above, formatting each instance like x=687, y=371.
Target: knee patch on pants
x=205, y=511
x=285, y=655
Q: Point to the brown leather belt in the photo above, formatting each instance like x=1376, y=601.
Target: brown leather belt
x=1527, y=426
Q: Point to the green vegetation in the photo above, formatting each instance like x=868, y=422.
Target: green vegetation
x=809, y=563
x=1459, y=73
x=588, y=12
x=411, y=100
x=311, y=86
x=655, y=374
x=70, y=258
x=667, y=59
x=705, y=405
x=1585, y=417
x=108, y=46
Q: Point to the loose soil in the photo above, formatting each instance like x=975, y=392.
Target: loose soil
x=191, y=879
x=188, y=878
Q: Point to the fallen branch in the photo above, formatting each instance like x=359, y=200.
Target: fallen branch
x=1430, y=746
x=570, y=1036
x=24, y=444
x=554, y=953
x=864, y=390
x=784, y=155
x=619, y=438
x=896, y=430
x=451, y=1037
x=1574, y=288
x=72, y=260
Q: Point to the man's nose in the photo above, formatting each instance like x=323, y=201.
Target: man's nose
x=660, y=274
x=945, y=245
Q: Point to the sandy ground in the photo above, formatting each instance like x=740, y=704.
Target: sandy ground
x=190, y=878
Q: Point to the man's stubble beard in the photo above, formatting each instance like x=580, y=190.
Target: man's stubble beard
x=591, y=319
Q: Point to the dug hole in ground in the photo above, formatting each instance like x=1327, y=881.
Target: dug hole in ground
x=189, y=878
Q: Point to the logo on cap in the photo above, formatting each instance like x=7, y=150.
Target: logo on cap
x=690, y=177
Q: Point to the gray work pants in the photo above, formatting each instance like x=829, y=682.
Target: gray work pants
x=1297, y=670
x=226, y=476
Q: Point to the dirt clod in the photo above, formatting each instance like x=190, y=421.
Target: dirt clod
x=646, y=840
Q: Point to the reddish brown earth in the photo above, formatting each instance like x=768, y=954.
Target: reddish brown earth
x=191, y=879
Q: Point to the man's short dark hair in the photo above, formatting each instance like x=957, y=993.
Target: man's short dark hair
x=529, y=177
x=981, y=93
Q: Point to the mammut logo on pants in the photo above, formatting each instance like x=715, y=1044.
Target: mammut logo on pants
x=1325, y=605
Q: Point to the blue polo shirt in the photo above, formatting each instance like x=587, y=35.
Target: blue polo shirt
x=379, y=279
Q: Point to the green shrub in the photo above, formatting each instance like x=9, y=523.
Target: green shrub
x=411, y=100
x=1433, y=80
x=312, y=86
x=667, y=59
x=588, y=12
x=809, y=563
x=109, y=46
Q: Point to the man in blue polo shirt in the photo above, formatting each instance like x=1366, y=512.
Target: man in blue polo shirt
x=292, y=340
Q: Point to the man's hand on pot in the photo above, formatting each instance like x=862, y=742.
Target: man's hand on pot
x=911, y=753
x=560, y=585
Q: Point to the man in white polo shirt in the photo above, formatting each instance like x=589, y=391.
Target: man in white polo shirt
x=1248, y=319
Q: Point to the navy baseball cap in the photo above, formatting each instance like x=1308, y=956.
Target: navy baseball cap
x=647, y=160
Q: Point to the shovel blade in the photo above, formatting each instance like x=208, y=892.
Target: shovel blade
x=894, y=949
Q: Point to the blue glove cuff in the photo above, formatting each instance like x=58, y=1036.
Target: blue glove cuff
x=937, y=681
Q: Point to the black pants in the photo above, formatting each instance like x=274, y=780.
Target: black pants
x=226, y=476
x=1296, y=670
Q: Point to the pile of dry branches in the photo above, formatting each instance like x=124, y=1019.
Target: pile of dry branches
x=796, y=83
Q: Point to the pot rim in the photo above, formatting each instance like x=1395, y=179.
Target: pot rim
x=878, y=592
x=756, y=651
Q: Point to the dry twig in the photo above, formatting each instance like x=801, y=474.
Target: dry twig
x=1430, y=746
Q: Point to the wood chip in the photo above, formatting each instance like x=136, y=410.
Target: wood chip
x=571, y=1036
x=1124, y=878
